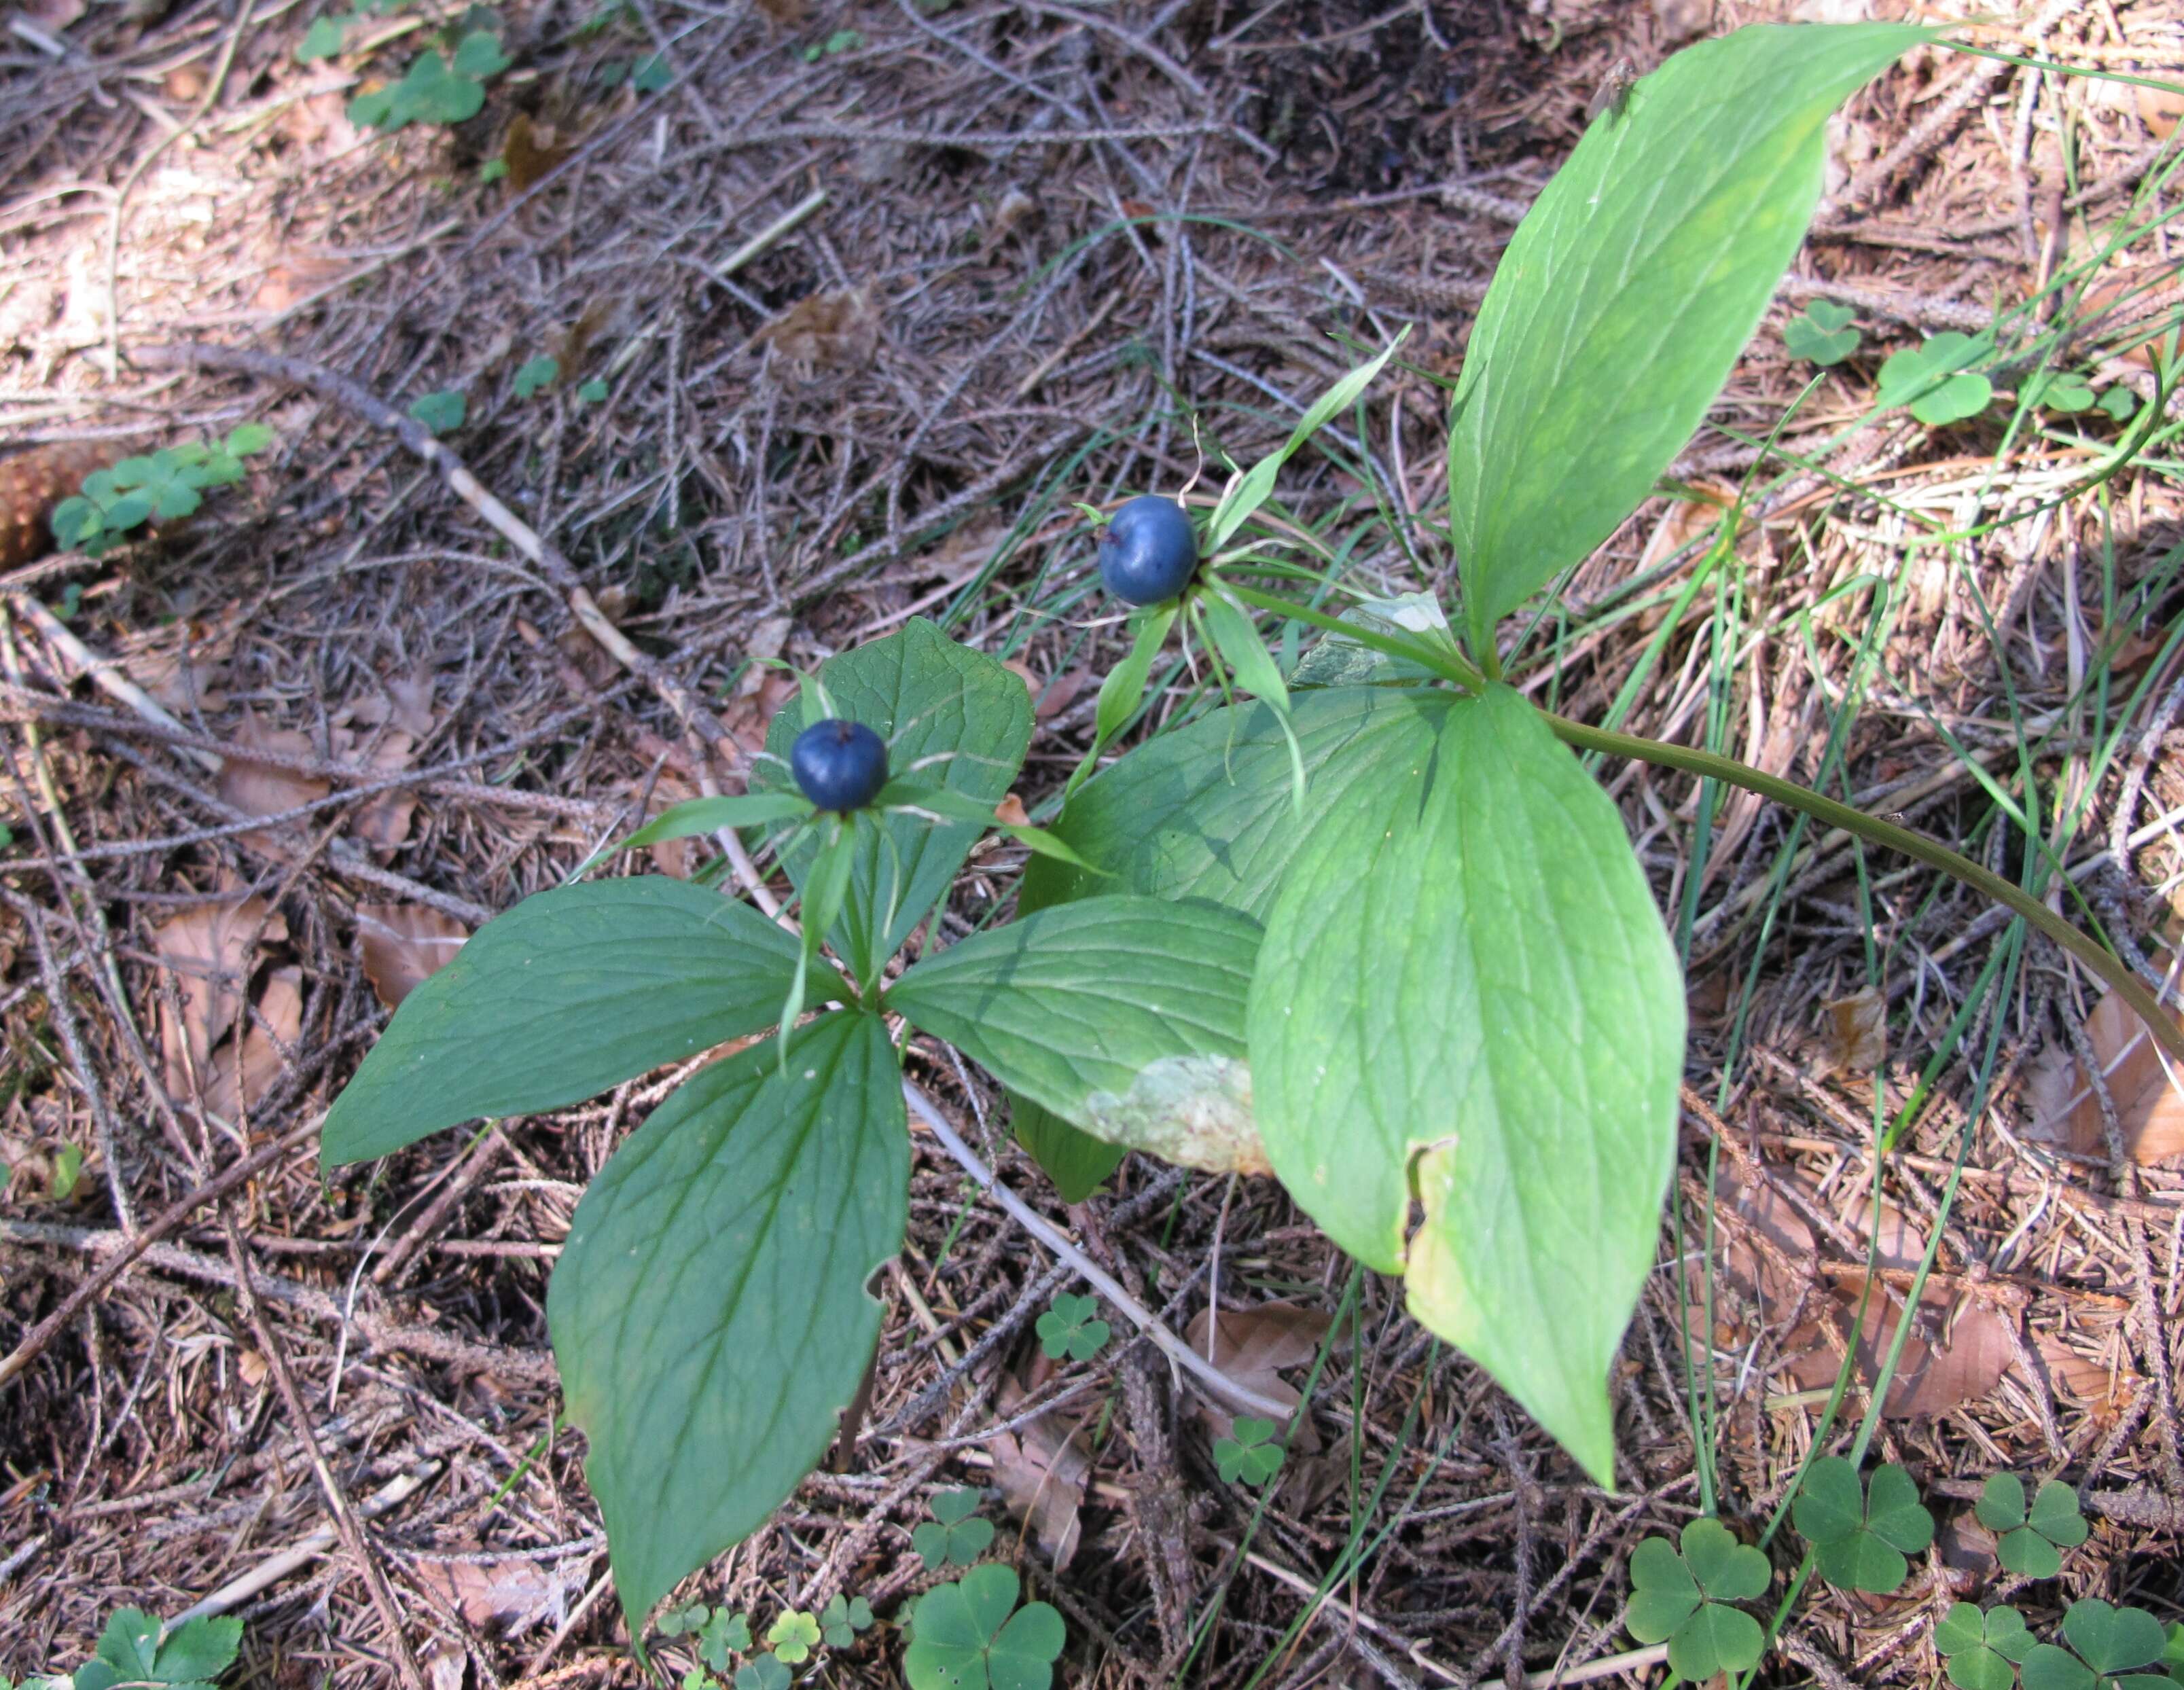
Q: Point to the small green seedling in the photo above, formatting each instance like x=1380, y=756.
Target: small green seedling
x=843, y=1618
x=131, y=1652
x=1936, y=381
x=593, y=392
x=651, y=74
x=1069, y=1328
x=325, y=36
x=1982, y=1648
x=972, y=1636
x=68, y=1173
x=2111, y=1643
x=1861, y=1534
x=954, y=1536
x=842, y=41
x=1251, y=1454
x=536, y=373
x=1823, y=335
x=163, y=486
x=442, y=413
x=763, y=1673
x=2119, y=403
x=680, y=1623
x=435, y=88
x=793, y=1635
x=1683, y=1600
x=2030, y=1543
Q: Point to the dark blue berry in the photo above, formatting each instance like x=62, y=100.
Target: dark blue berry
x=1148, y=551
x=838, y=765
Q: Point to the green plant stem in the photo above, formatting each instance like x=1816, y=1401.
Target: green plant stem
x=2110, y=968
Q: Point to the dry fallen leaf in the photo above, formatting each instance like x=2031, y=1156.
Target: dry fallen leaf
x=839, y=330
x=383, y=821
x=1010, y=812
x=512, y=1594
x=1958, y=1349
x=1250, y=1346
x=532, y=152
x=2066, y=1112
x=265, y=789
x=245, y=1068
x=1857, y=1037
x=2160, y=108
x=210, y=950
x=1041, y=1470
x=403, y=944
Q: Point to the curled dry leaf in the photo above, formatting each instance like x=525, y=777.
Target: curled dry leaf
x=403, y=944
x=1041, y=1469
x=208, y=950
x=246, y=1066
x=839, y=330
x=1252, y=1346
x=1856, y=1032
x=267, y=788
x=509, y=1596
x=2066, y=1112
x=1958, y=1349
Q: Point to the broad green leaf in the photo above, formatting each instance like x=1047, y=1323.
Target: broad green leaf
x=571, y=991
x=1465, y=981
x=1249, y=491
x=1340, y=660
x=1860, y=1534
x=1663, y=1594
x=966, y=1637
x=1629, y=289
x=2112, y=1639
x=1077, y=1162
x=709, y=1310
x=1204, y=812
x=1123, y=1015
x=709, y=816
x=323, y=40
x=199, y=1648
x=2048, y=1668
x=1715, y=1640
x=952, y=718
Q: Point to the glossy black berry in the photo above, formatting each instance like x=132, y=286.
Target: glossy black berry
x=838, y=765
x=1148, y=552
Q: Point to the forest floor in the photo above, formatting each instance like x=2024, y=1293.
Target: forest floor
x=847, y=303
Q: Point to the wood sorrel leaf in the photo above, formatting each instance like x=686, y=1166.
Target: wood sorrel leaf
x=1123, y=1015
x=1628, y=292
x=1465, y=983
x=571, y=991
x=709, y=1310
x=952, y=718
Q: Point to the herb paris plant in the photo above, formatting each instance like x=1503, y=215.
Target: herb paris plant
x=1449, y=981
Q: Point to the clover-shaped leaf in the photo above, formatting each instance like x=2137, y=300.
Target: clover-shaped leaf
x=2070, y=393
x=323, y=40
x=793, y=1635
x=842, y=1618
x=1680, y=1600
x=966, y=1637
x=440, y=412
x=2120, y=403
x=2113, y=1639
x=680, y=1623
x=763, y=1673
x=478, y=54
x=535, y=373
x=1070, y=1328
x=1935, y=379
x=1980, y=1647
x=2030, y=1540
x=1861, y=1534
x=1823, y=335
x=952, y=1537
x=1250, y=1454
x=724, y=1634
